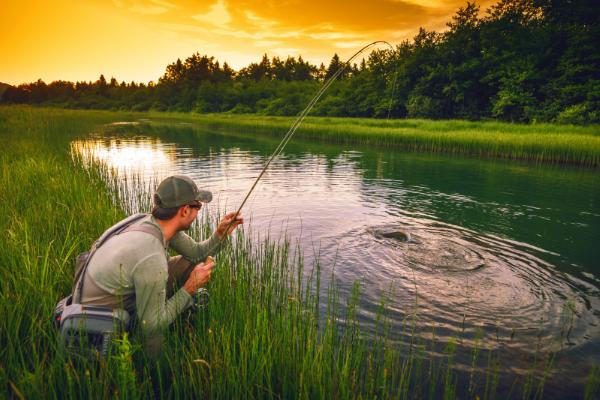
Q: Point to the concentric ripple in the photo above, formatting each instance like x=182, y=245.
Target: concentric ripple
x=466, y=282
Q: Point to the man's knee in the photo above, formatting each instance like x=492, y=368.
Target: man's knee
x=179, y=270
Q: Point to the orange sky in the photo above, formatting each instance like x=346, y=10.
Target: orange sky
x=136, y=39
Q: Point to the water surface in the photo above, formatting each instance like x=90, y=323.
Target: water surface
x=501, y=252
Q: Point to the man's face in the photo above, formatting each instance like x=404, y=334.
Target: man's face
x=190, y=213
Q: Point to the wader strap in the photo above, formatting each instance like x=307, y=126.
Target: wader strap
x=146, y=228
x=126, y=225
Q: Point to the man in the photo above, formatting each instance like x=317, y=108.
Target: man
x=132, y=270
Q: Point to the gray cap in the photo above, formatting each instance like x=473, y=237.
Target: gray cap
x=178, y=190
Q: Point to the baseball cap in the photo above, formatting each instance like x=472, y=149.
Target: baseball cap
x=178, y=190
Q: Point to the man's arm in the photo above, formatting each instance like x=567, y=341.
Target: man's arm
x=154, y=311
x=198, y=251
x=195, y=251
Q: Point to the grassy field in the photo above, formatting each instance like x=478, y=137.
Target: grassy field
x=549, y=143
x=261, y=336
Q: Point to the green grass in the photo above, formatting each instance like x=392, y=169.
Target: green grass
x=262, y=335
x=549, y=143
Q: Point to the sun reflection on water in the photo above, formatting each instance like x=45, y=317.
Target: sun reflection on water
x=130, y=157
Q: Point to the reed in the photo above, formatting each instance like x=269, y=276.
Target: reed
x=267, y=333
x=546, y=143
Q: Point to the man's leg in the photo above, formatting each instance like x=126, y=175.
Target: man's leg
x=179, y=271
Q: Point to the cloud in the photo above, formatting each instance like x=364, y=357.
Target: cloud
x=266, y=43
x=258, y=22
x=285, y=51
x=433, y=4
x=341, y=14
x=330, y=35
x=332, y=23
x=351, y=45
x=242, y=30
x=163, y=3
x=149, y=10
x=218, y=15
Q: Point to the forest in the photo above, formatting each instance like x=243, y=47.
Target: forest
x=521, y=61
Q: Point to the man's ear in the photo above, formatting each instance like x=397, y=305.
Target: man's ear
x=183, y=211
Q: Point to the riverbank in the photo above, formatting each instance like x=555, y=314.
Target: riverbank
x=547, y=143
x=260, y=337
x=543, y=143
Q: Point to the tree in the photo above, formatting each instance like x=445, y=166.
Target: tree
x=334, y=65
x=101, y=86
x=321, y=72
x=16, y=95
x=173, y=73
x=282, y=71
x=514, y=101
x=303, y=71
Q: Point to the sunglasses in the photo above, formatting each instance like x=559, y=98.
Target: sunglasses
x=195, y=206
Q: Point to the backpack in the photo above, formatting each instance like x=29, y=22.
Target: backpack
x=89, y=330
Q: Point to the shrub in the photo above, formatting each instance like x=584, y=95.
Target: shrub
x=578, y=114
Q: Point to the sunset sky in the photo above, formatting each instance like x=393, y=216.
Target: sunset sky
x=135, y=40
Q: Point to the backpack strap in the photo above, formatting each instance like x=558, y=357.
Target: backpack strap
x=146, y=228
x=117, y=228
x=126, y=225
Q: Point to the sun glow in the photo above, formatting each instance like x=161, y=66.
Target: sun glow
x=127, y=157
x=137, y=39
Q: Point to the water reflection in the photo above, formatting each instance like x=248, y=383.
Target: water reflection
x=495, y=251
x=131, y=157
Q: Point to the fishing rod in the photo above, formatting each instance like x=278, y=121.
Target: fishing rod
x=288, y=136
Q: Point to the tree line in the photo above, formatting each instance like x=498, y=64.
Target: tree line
x=519, y=61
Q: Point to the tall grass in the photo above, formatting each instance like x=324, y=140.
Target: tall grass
x=262, y=335
x=547, y=143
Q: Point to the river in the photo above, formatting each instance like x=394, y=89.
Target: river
x=505, y=253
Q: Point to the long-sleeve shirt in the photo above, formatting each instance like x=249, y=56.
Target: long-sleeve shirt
x=130, y=270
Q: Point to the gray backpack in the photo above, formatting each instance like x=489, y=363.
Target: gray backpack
x=89, y=330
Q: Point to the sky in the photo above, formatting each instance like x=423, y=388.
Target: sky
x=134, y=40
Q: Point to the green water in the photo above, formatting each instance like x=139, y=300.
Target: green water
x=501, y=251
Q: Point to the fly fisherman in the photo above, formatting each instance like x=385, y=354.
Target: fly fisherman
x=132, y=270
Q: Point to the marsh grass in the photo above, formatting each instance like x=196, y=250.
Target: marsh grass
x=548, y=143
x=263, y=335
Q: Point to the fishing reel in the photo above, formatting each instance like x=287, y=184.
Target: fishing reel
x=200, y=300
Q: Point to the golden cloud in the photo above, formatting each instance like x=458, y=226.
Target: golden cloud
x=123, y=37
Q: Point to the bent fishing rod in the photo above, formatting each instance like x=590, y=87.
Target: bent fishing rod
x=287, y=137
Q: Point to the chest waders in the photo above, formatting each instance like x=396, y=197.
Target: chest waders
x=86, y=330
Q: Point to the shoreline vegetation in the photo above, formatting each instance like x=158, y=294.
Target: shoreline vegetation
x=538, y=143
x=544, y=143
x=262, y=335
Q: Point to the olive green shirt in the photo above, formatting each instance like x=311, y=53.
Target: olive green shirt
x=130, y=270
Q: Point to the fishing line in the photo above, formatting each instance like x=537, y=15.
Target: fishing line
x=287, y=137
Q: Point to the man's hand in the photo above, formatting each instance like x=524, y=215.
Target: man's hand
x=199, y=276
x=231, y=221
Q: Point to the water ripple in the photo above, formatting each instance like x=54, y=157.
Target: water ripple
x=460, y=276
x=466, y=259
